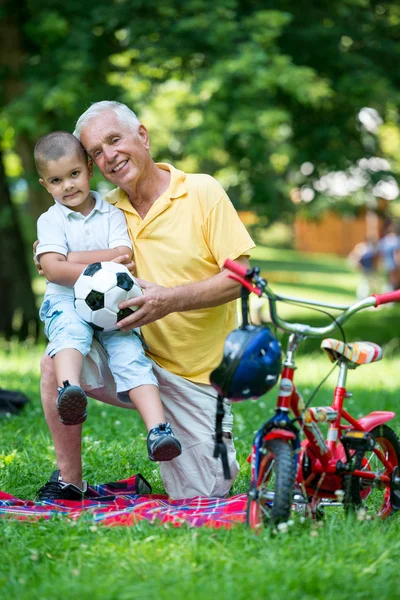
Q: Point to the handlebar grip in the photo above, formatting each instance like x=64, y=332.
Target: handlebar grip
x=387, y=297
x=231, y=265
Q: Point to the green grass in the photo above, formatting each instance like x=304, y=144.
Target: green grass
x=341, y=558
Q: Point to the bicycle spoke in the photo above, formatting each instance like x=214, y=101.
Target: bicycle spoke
x=268, y=472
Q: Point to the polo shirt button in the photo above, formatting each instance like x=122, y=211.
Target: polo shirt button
x=87, y=232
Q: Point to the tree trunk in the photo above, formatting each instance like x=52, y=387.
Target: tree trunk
x=18, y=313
x=11, y=60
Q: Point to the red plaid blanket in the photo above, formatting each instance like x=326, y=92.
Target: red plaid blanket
x=128, y=507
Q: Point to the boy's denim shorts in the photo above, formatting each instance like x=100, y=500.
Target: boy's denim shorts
x=64, y=328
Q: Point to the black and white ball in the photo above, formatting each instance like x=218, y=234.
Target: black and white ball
x=99, y=290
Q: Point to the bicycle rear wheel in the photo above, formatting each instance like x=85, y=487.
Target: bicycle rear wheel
x=270, y=500
x=375, y=497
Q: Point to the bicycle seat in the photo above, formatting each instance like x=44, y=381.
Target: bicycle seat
x=359, y=353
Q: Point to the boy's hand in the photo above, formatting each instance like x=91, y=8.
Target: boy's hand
x=35, y=260
x=125, y=259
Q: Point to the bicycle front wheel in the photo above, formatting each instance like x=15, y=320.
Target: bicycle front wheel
x=270, y=500
x=375, y=496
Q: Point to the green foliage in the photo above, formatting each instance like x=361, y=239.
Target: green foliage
x=247, y=91
x=59, y=70
x=237, y=72
x=274, y=88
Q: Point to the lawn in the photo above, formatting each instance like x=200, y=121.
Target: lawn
x=341, y=557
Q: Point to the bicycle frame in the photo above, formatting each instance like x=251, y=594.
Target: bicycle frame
x=320, y=463
x=327, y=453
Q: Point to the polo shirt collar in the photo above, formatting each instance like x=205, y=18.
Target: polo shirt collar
x=100, y=206
x=177, y=185
x=176, y=189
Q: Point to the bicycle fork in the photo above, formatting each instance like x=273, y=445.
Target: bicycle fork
x=280, y=426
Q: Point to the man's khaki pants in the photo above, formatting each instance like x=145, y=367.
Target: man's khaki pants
x=191, y=410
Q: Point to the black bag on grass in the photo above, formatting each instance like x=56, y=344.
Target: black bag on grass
x=11, y=402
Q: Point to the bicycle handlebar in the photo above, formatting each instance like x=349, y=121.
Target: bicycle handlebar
x=242, y=275
x=250, y=279
x=387, y=297
x=233, y=266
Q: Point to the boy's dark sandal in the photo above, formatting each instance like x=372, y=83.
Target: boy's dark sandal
x=162, y=445
x=71, y=404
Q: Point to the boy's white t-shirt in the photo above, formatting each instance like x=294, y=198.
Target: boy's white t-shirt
x=63, y=230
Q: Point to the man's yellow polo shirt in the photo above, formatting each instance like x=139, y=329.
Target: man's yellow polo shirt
x=185, y=237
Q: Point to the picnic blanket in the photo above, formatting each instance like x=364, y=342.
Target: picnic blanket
x=120, y=503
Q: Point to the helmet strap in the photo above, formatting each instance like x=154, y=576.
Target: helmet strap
x=220, y=448
x=244, y=297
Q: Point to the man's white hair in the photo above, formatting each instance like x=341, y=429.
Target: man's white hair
x=124, y=114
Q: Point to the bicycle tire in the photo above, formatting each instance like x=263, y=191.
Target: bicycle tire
x=361, y=494
x=278, y=461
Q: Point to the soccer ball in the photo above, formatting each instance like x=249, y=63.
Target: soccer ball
x=99, y=290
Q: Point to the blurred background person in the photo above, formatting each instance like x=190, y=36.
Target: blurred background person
x=364, y=257
x=389, y=253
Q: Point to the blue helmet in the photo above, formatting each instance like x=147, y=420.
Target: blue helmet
x=250, y=366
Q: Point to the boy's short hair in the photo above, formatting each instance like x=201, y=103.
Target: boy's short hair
x=54, y=146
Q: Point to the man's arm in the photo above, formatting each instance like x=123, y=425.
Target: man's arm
x=159, y=301
x=57, y=269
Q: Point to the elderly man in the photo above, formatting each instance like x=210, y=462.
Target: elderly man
x=183, y=227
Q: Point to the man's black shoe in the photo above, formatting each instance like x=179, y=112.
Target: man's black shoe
x=71, y=404
x=57, y=489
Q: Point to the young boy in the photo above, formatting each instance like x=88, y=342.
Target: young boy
x=79, y=229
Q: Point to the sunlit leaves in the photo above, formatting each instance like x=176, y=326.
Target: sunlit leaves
x=255, y=88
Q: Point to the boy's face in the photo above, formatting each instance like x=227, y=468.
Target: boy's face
x=68, y=181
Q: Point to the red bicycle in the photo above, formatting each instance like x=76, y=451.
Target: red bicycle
x=293, y=464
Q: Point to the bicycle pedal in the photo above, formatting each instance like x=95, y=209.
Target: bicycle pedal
x=357, y=440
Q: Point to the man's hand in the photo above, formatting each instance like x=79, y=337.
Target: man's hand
x=157, y=302
x=125, y=259
x=35, y=260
